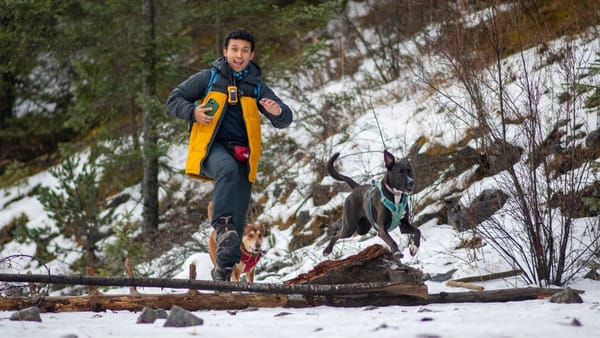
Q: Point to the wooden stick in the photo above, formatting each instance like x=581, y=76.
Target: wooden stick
x=92, y=289
x=192, y=271
x=491, y=276
x=129, y=271
x=458, y=284
x=33, y=288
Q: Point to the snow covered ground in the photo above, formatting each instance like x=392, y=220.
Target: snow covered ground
x=534, y=318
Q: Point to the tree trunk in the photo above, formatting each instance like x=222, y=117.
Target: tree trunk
x=7, y=96
x=150, y=151
x=194, y=300
x=191, y=301
x=390, y=288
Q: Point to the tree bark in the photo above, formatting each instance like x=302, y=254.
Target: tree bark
x=190, y=301
x=271, y=288
x=373, y=264
x=150, y=151
x=194, y=300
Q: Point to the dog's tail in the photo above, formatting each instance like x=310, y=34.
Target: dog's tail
x=337, y=175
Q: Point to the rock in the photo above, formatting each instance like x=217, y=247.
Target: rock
x=575, y=322
x=161, y=313
x=31, y=314
x=481, y=209
x=592, y=274
x=442, y=277
x=180, y=317
x=442, y=163
x=566, y=296
x=16, y=291
x=148, y=316
x=499, y=157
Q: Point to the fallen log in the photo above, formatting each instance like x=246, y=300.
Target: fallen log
x=194, y=300
x=271, y=288
x=373, y=264
x=370, y=278
x=502, y=295
x=491, y=296
x=373, y=270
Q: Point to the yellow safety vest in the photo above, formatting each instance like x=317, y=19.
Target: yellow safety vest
x=201, y=136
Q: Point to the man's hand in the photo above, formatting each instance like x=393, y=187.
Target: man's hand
x=200, y=115
x=270, y=106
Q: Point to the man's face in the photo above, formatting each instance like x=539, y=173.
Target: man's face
x=238, y=54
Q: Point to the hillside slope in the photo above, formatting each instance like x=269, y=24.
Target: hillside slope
x=424, y=114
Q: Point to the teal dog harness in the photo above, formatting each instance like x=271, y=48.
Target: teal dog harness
x=397, y=210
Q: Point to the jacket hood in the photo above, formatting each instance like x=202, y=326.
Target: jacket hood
x=254, y=73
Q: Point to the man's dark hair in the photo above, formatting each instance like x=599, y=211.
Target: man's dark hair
x=239, y=34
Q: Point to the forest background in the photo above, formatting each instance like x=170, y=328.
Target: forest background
x=88, y=76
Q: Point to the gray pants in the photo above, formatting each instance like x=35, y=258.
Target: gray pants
x=231, y=194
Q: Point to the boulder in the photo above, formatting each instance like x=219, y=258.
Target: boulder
x=31, y=314
x=567, y=296
x=179, y=317
x=148, y=316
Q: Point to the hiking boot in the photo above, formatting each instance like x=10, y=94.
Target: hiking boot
x=227, y=238
x=221, y=274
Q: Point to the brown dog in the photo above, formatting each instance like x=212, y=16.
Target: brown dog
x=250, y=246
x=383, y=206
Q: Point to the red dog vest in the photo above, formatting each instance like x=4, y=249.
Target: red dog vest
x=250, y=261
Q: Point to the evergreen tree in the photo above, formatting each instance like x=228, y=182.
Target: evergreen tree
x=77, y=208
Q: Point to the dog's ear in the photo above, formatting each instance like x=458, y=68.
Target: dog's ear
x=389, y=159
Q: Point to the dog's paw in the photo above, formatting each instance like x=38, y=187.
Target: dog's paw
x=398, y=255
x=412, y=248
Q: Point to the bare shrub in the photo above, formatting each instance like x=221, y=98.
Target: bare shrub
x=514, y=101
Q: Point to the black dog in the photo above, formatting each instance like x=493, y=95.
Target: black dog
x=365, y=207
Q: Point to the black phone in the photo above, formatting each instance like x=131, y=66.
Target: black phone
x=213, y=104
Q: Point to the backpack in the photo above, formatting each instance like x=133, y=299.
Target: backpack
x=213, y=79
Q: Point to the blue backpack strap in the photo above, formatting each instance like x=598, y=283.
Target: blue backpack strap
x=257, y=90
x=211, y=81
x=213, y=78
